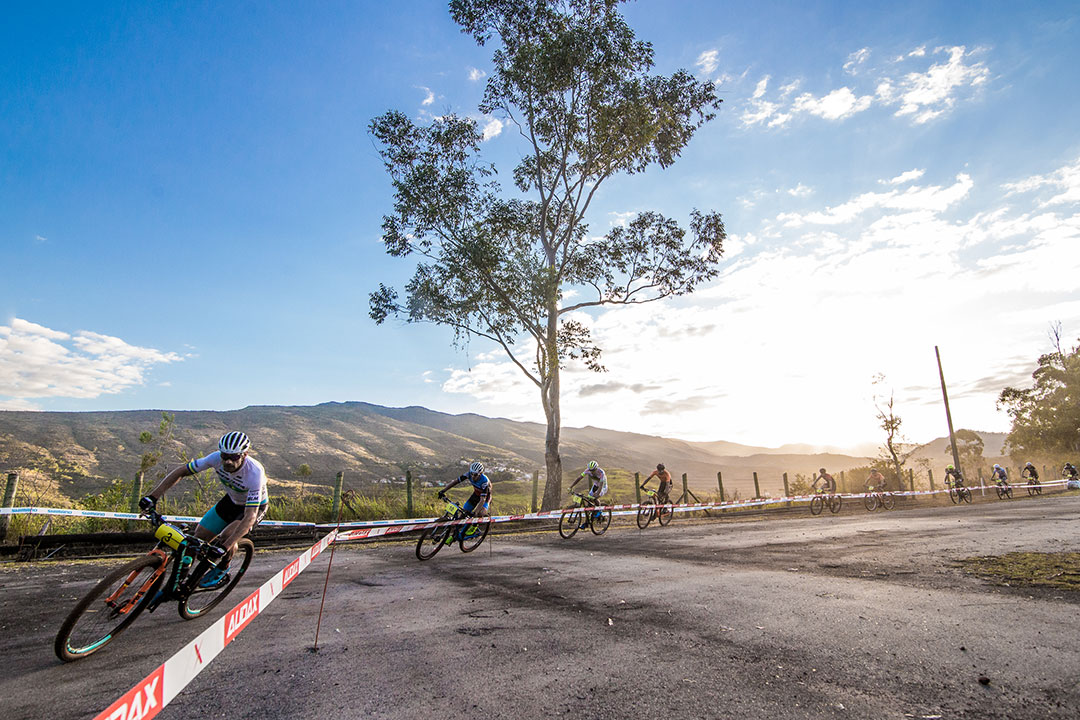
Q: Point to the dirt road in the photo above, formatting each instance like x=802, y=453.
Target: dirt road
x=851, y=616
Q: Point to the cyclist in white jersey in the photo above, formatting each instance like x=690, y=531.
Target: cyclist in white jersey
x=598, y=477
x=243, y=506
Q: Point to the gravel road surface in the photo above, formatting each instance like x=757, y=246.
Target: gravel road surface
x=851, y=616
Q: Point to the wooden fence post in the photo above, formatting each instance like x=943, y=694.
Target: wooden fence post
x=981, y=483
x=757, y=488
x=911, y=478
x=9, y=501
x=930, y=474
x=133, y=501
x=843, y=482
x=787, y=491
x=339, y=480
x=408, y=493
x=720, y=483
x=536, y=487
x=685, y=490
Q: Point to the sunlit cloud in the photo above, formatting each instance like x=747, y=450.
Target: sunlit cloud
x=38, y=362
x=492, y=128
x=812, y=305
x=856, y=59
x=429, y=96
x=476, y=75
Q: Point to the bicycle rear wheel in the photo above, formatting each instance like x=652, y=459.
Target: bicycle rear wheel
x=112, y=605
x=471, y=538
x=871, y=502
x=665, y=513
x=599, y=520
x=888, y=501
x=645, y=513
x=432, y=540
x=817, y=504
x=835, y=503
x=569, y=523
x=203, y=600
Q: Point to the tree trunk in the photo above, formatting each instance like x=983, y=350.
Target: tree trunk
x=549, y=392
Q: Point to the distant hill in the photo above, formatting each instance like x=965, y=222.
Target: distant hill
x=81, y=452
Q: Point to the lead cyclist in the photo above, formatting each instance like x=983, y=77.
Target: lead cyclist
x=242, y=507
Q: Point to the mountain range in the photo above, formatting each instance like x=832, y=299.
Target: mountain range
x=79, y=453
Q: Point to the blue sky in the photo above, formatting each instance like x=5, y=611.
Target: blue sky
x=190, y=209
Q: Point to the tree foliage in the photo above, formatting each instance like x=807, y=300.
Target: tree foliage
x=969, y=448
x=575, y=82
x=895, y=450
x=1046, y=416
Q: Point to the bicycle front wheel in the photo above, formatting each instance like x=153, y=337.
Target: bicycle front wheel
x=954, y=496
x=665, y=513
x=1000, y=492
x=835, y=503
x=888, y=501
x=569, y=523
x=473, y=534
x=1033, y=487
x=432, y=540
x=871, y=502
x=203, y=600
x=817, y=504
x=599, y=520
x=109, y=608
x=645, y=513
x=966, y=495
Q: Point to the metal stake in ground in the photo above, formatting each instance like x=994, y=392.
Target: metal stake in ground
x=329, y=565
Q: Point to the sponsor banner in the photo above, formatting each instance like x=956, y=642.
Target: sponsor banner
x=143, y=701
x=157, y=690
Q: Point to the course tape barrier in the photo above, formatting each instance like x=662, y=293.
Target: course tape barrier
x=68, y=512
x=377, y=528
x=147, y=698
x=370, y=530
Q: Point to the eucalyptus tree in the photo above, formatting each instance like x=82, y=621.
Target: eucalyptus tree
x=573, y=80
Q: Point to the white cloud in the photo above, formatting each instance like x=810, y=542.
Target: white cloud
x=904, y=177
x=622, y=218
x=40, y=240
x=929, y=94
x=800, y=190
x=921, y=95
x=708, y=61
x=429, y=96
x=1065, y=181
x=37, y=362
x=837, y=105
x=475, y=74
x=856, y=59
x=492, y=128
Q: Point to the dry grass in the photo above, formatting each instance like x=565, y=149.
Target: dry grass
x=1054, y=570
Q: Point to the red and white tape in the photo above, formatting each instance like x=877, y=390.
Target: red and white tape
x=156, y=690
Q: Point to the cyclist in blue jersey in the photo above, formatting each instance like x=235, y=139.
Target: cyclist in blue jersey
x=477, y=505
x=241, y=509
x=999, y=475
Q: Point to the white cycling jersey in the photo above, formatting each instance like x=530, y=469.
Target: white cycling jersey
x=246, y=486
x=599, y=482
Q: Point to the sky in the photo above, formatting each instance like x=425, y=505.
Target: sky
x=190, y=210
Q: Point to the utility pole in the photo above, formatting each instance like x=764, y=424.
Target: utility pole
x=948, y=414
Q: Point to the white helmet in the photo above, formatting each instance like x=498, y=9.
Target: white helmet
x=477, y=468
x=592, y=465
x=234, y=443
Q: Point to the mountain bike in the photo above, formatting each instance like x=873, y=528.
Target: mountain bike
x=820, y=500
x=468, y=535
x=874, y=498
x=1004, y=490
x=957, y=492
x=170, y=571
x=1034, y=487
x=588, y=512
x=650, y=509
